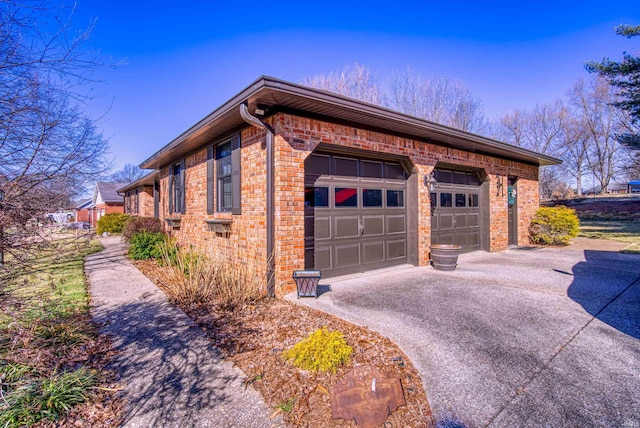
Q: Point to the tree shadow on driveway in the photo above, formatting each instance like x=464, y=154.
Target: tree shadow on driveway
x=607, y=286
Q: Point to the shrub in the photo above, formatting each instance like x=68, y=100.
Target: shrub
x=554, y=226
x=146, y=245
x=141, y=224
x=321, y=351
x=112, y=223
x=225, y=279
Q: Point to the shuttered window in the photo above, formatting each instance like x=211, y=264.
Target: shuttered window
x=176, y=189
x=223, y=177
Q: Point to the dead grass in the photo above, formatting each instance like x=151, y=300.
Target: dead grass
x=225, y=279
x=254, y=336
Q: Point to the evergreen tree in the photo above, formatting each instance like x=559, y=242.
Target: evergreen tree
x=624, y=75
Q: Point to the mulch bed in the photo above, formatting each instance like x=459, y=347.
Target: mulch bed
x=254, y=337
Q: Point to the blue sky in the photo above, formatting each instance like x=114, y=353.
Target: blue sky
x=181, y=60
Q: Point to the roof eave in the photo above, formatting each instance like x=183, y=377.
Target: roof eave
x=146, y=180
x=410, y=125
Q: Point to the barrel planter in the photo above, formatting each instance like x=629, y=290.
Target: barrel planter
x=444, y=257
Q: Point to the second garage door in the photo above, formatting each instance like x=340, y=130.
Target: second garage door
x=455, y=207
x=356, y=216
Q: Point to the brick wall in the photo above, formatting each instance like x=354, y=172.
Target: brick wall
x=296, y=138
x=145, y=201
x=246, y=237
x=82, y=215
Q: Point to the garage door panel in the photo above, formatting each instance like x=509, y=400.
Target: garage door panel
x=322, y=228
x=346, y=227
x=461, y=221
x=396, y=249
x=396, y=224
x=373, y=252
x=473, y=220
x=460, y=239
x=444, y=238
x=322, y=258
x=473, y=240
x=373, y=225
x=445, y=222
x=346, y=255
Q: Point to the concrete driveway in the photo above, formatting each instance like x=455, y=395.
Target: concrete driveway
x=520, y=338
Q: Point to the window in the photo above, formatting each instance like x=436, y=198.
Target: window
x=316, y=197
x=176, y=188
x=372, y=198
x=226, y=158
x=446, y=200
x=473, y=200
x=223, y=168
x=345, y=197
x=395, y=198
x=156, y=199
x=461, y=200
x=136, y=202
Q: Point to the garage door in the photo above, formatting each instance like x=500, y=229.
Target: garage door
x=355, y=212
x=455, y=209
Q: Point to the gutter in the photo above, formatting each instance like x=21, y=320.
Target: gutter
x=254, y=121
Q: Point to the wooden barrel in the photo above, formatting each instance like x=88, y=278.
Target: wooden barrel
x=444, y=257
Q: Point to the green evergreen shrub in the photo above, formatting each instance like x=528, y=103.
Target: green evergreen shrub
x=112, y=223
x=146, y=245
x=554, y=226
x=323, y=351
x=141, y=224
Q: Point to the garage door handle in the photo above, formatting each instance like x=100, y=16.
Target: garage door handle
x=361, y=228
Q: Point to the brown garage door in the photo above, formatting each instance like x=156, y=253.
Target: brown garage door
x=356, y=216
x=455, y=207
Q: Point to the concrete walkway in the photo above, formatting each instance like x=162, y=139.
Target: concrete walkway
x=519, y=338
x=170, y=372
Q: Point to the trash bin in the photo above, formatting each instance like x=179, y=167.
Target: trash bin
x=307, y=282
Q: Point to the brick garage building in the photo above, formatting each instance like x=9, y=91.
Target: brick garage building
x=141, y=197
x=323, y=181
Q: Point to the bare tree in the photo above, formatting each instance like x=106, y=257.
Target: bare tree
x=48, y=146
x=355, y=81
x=439, y=99
x=592, y=106
x=540, y=129
x=575, y=147
x=128, y=174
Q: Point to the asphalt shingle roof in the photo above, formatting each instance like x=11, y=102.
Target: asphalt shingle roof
x=108, y=191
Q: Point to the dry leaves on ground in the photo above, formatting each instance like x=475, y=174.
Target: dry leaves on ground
x=255, y=336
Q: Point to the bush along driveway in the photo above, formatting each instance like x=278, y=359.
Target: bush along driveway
x=549, y=337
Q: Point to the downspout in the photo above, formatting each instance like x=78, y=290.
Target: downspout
x=254, y=121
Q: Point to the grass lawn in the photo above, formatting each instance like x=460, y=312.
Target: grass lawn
x=612, y=217
x=614, y=230
x=51, y=358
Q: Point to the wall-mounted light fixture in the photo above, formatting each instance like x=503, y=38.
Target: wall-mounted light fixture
x=430, y=181
x=499, y=185
x=261, y=110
